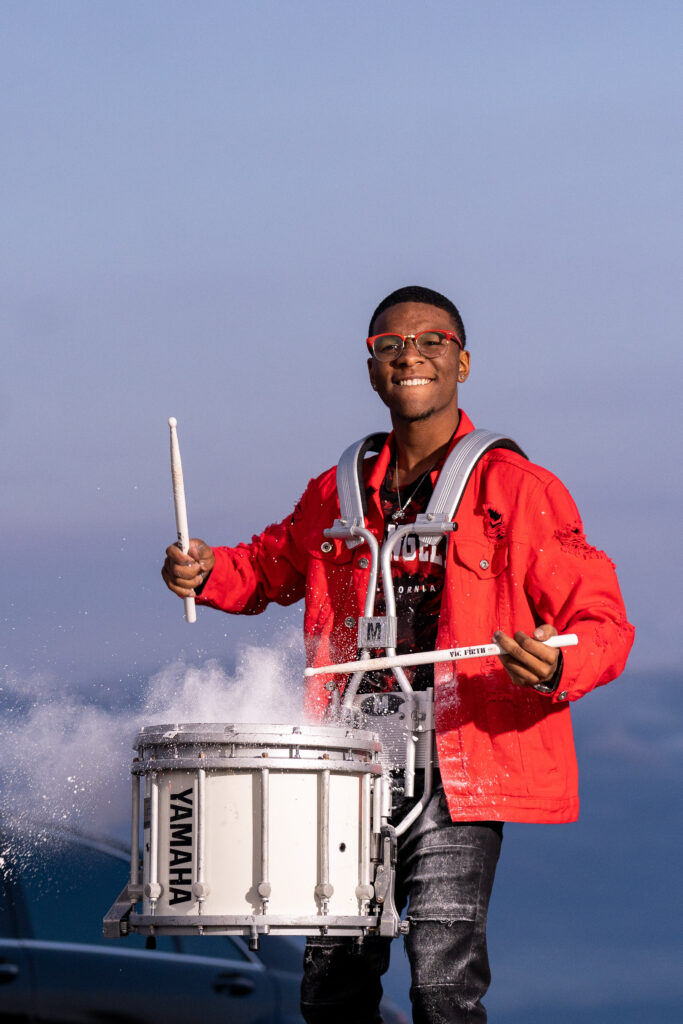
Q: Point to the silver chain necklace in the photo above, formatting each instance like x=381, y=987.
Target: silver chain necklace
x=400, y=512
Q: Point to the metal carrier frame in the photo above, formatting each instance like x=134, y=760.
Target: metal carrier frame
x=413, y=709
x=403, y=721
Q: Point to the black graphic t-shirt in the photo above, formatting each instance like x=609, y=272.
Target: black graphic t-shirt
x=418, y=575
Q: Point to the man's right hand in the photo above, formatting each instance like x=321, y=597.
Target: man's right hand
x=185, y=573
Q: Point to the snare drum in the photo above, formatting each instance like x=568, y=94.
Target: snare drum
x=256, y=828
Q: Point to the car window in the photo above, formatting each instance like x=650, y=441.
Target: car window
x=220, y=946
x=68, y=888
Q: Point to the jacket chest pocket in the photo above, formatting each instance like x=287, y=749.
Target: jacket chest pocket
x=329, y=582
x=481, y=592
x=329, y=555
x=482, y=558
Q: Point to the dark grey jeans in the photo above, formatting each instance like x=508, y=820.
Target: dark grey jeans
x=444, y=875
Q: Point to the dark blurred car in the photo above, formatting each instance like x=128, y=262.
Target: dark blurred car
x=56, y=966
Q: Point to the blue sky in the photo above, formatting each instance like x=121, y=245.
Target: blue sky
x=203, y=204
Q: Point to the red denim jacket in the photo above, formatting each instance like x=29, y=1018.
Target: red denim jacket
x=518, y=558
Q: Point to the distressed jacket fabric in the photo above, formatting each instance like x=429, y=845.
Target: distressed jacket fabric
x=519, y=557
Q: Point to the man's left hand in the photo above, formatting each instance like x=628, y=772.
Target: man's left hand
x=526, y=660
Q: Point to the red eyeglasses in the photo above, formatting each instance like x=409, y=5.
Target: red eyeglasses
x=432, y=344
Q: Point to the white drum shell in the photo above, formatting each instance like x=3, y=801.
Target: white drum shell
x=301, y=765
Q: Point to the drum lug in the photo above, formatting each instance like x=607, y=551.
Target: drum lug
x=153, y=891
x=324, y=891
x=365, y=892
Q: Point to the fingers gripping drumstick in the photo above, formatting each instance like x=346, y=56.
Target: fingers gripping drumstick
x=180, y=509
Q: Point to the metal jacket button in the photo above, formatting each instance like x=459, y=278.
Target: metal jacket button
x=363, y=563
x=562, y=696
x=350, y=621
x=484, y=564
x=326, y=547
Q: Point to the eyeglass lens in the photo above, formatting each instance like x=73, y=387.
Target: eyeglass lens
x=431, y=344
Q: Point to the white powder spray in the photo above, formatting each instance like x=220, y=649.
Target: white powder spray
x=66, y=761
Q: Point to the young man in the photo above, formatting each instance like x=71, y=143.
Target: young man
x=518, y=567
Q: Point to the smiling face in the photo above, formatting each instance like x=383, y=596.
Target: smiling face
x=414, y=387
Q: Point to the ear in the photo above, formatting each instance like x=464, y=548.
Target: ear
x=371, y=375
x=463, y=366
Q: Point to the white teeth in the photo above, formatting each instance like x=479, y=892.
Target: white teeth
x=413, y=382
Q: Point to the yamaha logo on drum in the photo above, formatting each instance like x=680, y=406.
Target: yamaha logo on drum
x=180, y=867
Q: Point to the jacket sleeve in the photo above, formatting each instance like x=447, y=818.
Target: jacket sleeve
x=574, y=586
x=246, y=578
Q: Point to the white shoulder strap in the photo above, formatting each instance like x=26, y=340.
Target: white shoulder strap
x=351, y=486
x=455, y=473
x=448, y=491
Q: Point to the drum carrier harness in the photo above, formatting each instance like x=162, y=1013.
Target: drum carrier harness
x=404, y=720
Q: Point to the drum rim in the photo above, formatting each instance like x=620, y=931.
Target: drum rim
x=249, y=922
x=250, y=734
x=235, y=765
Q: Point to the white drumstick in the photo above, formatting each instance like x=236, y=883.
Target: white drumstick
x=430, y=657
x=180, y=508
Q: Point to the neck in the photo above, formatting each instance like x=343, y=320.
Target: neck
x=421, y=443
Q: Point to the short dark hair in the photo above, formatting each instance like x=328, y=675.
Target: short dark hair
x=416, y=293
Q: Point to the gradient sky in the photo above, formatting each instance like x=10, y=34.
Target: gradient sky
x=204, y=202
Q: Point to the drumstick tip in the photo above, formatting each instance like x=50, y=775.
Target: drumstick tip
x=172, y=422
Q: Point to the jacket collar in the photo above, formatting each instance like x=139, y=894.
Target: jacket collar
x=378, y=469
